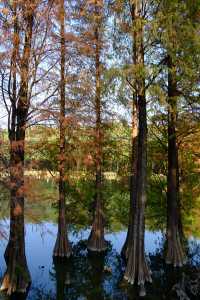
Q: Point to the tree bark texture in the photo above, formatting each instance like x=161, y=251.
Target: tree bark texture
x=133, y=177
x=62, y=246
x=175, y=253
x=17, y=277
x=96, y=241
x=137, y=270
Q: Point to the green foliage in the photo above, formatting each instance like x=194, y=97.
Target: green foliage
x=156, y=213
x=118, y=209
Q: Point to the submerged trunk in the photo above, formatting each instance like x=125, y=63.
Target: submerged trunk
x=175, y=254
x=62, y=274
x=17, y=276
x=96, y=275
x=62, y=246
x=133, y=177
x=137, y=270
x=96, y=241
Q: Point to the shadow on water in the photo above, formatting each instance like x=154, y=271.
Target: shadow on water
x=88, y=276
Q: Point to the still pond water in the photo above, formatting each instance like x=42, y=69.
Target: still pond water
x=89, y=277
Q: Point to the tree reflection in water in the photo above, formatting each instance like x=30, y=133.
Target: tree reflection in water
x=89, y=276
x=99, y=277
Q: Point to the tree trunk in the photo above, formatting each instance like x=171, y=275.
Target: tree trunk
x=62, y=246
x=175, y=254
x=137, y=270
x=17, y=277
x=96, y=241
x=133, y=177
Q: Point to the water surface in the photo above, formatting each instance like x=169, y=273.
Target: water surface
x=94, y=277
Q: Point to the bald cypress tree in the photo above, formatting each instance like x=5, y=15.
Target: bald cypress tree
x=17, y=276
x=137, y=270
x=62, y=247
x=96, y=241
x=179, y=45
x=172, y=19
x=175, y=254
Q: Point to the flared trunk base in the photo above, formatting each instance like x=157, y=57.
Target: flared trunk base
x=96, y=243
x=62, y=248
x=16, y=278
x=139, y=274
x=175, y=254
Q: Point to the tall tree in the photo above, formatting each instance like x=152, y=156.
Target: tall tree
x=96, y=241
x=62, y=247
x=173, y=16
x=17, y=277
x=21, y=72
x=175, y=254
x=137, y=270
x=177, y=43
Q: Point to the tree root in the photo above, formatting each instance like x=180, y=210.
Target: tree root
x=137, y=273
